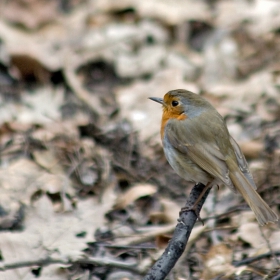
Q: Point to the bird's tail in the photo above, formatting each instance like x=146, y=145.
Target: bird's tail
x=263, y=212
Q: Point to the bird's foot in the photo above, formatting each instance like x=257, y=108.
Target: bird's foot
x=194, y=209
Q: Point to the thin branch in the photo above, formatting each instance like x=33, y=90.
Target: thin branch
x=257, y=258
x=130, y=247
x=180, y=237
x=91, y=260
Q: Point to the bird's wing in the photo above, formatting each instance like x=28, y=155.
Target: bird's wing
x=242, y=163
x=206, y=155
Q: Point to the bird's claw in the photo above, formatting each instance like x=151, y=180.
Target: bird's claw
x=194, y=209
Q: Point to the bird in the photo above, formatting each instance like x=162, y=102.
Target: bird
x=198, y=146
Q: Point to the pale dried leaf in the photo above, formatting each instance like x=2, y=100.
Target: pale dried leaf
x=274, y=240
x=19, y=179
x=38, y=109
x=170, y=211
x=16, y=247
x=46, y=232
x=35, y=107
x=147, y=61
x=48, y=160
x=31, y=14
x=174, y=12
x=133, y=194
x=250, y=232
x=218, y=261
x=38, y=45
x=53, y=129
x=262, y=16
x=23, y=178
x=252, y=149
x=55, y=183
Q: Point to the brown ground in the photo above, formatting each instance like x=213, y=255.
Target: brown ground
x=86, y=192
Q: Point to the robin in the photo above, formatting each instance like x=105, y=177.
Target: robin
x=199, y=148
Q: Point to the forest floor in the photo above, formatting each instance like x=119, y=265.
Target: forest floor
x=86, y=192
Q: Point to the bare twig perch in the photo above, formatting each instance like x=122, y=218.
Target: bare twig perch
x=180, y=237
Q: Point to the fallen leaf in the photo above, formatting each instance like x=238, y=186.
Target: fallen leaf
x=47, y=233
x=48, y=160
x=31, y=14
x=133, y=194
x=250, y=233
x=252, y=149
x=169, y=214
x=218, y=262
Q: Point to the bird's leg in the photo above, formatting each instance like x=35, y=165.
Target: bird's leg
x=194, y=207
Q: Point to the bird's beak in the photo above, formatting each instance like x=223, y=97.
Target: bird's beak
x=158, y=100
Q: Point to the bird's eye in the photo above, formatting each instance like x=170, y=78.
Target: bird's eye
x=175, y=103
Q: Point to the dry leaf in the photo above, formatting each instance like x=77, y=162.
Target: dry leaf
x=252, y=149
x=274, y=240
x=169, y=214
x=31, y=14
x=162, y=240
x=19, y=179
x=218, y=262
x=147, y=61
x=133, y=194
x=65, y=129
x=250, y=232
x=48, y=160
x=47, y=233
x=60, y=108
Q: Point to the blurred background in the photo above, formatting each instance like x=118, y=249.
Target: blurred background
x=82, y=173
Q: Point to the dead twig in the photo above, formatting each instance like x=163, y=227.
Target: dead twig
x=107, y=262
x=257, y=258
x=180, y=237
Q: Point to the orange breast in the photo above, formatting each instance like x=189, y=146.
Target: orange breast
x=170, y=114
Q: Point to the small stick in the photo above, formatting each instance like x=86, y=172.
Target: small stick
x=257, y=258
x=180, y=237
x=106, y=262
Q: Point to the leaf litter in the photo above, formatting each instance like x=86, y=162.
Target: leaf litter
x=86, y=192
